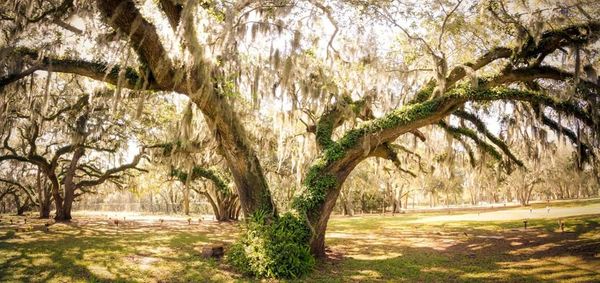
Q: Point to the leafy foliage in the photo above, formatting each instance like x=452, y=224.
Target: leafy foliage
x=276, y=250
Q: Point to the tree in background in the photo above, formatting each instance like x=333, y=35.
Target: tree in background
x=65, y=141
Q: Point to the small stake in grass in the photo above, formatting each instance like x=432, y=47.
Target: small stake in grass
x=525, y=223
x=562, y=225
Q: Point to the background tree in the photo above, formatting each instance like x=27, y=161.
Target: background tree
x=56, y=139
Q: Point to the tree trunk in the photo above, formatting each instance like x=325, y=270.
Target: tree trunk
x=213, y=204
x=69, y=187
x=319, y=217
x=45, y=209
x=346, y=205
x=186, y=199
x=20, y=209
x=58, y=200
x=397, y=200
x=43, y=192
x=251, y=184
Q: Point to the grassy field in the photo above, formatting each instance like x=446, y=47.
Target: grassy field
x=364, y=248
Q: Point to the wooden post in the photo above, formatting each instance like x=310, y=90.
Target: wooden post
x=561, y=224
x=525, y=224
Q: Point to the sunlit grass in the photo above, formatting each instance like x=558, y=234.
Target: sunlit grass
x=401, y=248
x=107, y=253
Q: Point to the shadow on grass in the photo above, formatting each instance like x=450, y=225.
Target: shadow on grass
x=468, y=252
x=374, y=249
x=100, y=252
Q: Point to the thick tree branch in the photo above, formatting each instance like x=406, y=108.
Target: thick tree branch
x=552, y=40
x=220, y=182
x=173, y=12
x=93, y=70
x=111, y=173
x=125, y=17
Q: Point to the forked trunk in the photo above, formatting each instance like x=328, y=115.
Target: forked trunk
x=64, y=214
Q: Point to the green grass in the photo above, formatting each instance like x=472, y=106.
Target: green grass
x=100, y=253
x=395, y=249
x=371, y=248
x=568, y=203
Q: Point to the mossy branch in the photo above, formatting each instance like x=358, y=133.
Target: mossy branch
x=584, y=149
x=387, y=151
x=480, y=125
x=99, y=71
x=459, y=132
x=220, y=181
x=340, y=112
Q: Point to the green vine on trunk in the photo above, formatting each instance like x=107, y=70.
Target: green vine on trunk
x=273, y=248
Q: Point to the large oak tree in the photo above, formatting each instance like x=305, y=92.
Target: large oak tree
x=516, y=62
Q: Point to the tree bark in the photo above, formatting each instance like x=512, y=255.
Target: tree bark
x=18, y=206
x=69, y=187
x=43, y=196
x=186, y=199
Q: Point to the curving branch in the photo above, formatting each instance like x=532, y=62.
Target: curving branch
x=480, y=125
x=459, y=132
x=584, y=149
x=111, y=173
x=94, y=70
x=220, y=182
x=552, y=40
x=28, y=191
x=549, y=42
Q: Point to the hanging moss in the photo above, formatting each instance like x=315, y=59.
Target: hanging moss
x=457, y=132
x=317, y=182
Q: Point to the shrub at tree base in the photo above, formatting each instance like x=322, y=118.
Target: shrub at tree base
x=276, y=250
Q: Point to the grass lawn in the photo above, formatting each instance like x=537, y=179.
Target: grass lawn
x=370, y=248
